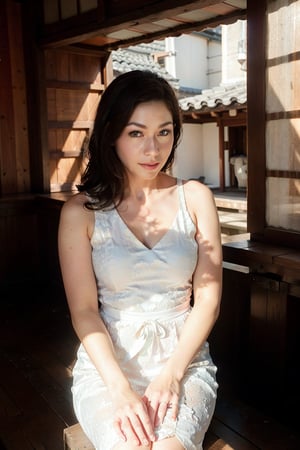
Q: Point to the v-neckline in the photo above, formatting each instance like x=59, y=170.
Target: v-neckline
x=163, y=236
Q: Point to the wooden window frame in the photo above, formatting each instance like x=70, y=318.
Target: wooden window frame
x=256, y=128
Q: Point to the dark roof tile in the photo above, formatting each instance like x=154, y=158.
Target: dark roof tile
x=224, y=95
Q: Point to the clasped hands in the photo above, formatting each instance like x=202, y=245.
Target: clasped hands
x=136, y=417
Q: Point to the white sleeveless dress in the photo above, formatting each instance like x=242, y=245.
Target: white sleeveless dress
x=145, y=299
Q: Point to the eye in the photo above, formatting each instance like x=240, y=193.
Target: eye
x=165, y=132
x=135, y=133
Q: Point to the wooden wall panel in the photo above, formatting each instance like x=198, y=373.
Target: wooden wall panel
x=19, y=255
x=68, y=173
x=74, y=86
x=19, y=99
x=14, y=147
x=8, y=181
x=84, y=69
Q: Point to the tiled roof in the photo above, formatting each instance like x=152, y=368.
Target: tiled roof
x=227, y=95
x=140, y=57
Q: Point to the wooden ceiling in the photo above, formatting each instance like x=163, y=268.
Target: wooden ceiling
x=120, y=23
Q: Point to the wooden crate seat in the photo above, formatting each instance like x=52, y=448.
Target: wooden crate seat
x=75, y=439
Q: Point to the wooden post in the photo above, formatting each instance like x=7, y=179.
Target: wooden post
x=221, y=156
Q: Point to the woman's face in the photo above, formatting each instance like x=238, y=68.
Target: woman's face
x=146, y=141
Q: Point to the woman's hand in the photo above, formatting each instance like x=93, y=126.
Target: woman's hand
x=162, y=394
x=131, y=418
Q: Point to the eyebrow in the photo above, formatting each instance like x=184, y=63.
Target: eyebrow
x=140, y=125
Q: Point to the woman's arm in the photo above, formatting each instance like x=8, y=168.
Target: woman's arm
x=207, y=286
x=75, y=230
x=207, y=279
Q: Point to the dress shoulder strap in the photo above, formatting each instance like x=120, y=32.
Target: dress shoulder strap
x=184, y=219
x=181, y=194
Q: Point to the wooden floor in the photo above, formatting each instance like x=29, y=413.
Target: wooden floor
x=37, y=350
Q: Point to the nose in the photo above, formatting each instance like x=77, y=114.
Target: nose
x=151, y=145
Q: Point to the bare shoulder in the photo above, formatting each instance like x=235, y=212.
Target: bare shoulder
x=198, y=195
x=74, y=210
x=202, y=208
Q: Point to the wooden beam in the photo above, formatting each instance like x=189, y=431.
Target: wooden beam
x=256, y=39
x=8, y=174
x=71, y=125
x=37, y=106
x=77, y=30
x=75, y=85
x=221, y=156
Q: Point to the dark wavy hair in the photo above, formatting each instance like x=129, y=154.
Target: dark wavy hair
x=104, y=178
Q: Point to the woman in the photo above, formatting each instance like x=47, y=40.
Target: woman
x=140, y=243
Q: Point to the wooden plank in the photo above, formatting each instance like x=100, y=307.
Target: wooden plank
x=37, y=104
x=230, y=203
x=267, y=345
x=58, y=154
x=75, y=439
x=19, y=257
x=43, y=371
x=256, y=39
x=73, y=90
x=39, y=426
x=85, y=68
x=232, y=439
x=19, y=97
x=251, y=427
x=88, y=25
x=219, y=445
x=69, y=171
x=35, y=377
x=71, y=140
x=291, y=260
x=81, y=86
x=8, y=175
x=221, y=156
x=70, y=125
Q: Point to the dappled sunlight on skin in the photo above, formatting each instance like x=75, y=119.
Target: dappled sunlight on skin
x=154, y=233
x=208, y=278
x=150, y=225
x=211, y=271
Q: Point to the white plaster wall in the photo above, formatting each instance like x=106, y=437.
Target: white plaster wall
x=191, y=61
x=200, y=64
x=170, y=61
x=198, y=154
x=210, y=145
x=231, y=35
x=214, y=63
x=189, y=156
